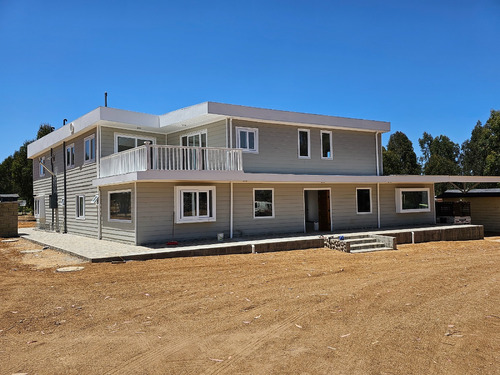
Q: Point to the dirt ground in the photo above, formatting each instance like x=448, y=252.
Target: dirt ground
x=431, y=308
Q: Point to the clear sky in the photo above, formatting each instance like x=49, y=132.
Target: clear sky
x=427, y=65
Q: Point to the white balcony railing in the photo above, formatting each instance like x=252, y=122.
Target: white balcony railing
x=171, y=158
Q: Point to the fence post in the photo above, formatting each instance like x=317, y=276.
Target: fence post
x=148, y=154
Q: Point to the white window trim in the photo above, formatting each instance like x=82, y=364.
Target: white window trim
x=399, y=200
x=308, y=143
x=41, y=169
x=179, y=190
x=204, y=131
x=240, y=129
x=136, y=137
x=109, y=206
x=77, y=210
x=71, y=146
x=40, y=213
x=91, y=160
x=321, y=144
x=371, y=201
x=253, y=204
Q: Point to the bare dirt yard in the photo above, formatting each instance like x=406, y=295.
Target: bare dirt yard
x=432, y=308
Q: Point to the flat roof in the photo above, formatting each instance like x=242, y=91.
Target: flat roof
x=196, y=115
x=455, y=193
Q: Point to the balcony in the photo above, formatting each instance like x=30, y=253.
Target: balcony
x=171, y=158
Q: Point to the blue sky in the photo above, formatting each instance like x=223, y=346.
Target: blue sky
x=422, y=65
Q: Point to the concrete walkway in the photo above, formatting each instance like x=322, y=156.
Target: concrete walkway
x=96, y=250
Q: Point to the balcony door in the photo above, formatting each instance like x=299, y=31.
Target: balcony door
x=195, y=139
x=190, y=157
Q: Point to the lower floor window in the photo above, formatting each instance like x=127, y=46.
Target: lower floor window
x=412, y=200
x=120, y=205
x=39, y=208
x=195, y=204
x=363, y=201
x=80, y=207
x=263, y=203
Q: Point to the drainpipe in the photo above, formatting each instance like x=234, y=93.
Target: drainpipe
x=231, y=213
x=98, y=172
x=227, y=141
x=377, y=154
x=378, y=205
x=52, y=183
x=230, y=132
x=65, y=191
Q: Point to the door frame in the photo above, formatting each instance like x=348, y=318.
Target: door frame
x=304, y=205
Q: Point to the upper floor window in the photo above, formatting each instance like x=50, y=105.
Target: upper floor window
x=41, y=170
x=126, y=142
x=89, y=149
x=412, y=200
x=326, y=145
x=195, y=139
x=195, y=204
x=304, y=144
x=70, y=156
x=247, y=139
x=364, y=200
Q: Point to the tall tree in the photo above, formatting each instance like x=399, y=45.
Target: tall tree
x=439, y=155
x=492, y=167
x=44, y=130
x=399, y=157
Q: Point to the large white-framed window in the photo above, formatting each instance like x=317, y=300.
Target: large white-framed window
x=304, y=144
x=70, y=156
x=125, y=142
x=120, y=206
x=41, y=169
x=80, y=207
x=413, y=200
x=263, y=203
x=326, y=145
x=197, y=139
x=195, y=204
x=363, y=200
x=89, y=149
x=247, y=139
x=39, y=207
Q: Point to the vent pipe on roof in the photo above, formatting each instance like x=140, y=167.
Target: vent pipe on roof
x=65, y=121
x=105, y=98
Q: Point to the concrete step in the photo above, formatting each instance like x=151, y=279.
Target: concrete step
x=367, y=245
x=356, y=241
x=370, y=250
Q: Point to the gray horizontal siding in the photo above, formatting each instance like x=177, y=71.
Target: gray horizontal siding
x=216, y=134
x=115, y=230
x=389, y=216
x=353, y=152
x=156, y=214
x=344, y=208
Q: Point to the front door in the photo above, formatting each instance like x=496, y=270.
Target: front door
x=324, y=210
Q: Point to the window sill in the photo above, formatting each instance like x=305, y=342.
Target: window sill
x=413, y=211
x=196, y=220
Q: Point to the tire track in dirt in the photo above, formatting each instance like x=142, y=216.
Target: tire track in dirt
x=252, y=345
x=137, y=363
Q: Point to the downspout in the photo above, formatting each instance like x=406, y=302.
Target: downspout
x=65, y=191
x=52, y=184
x=230, y=132
x=135, y=211
x=98, y=166
x=377, y=154
x=378, y=205
x=227, y=140
x=231, y=213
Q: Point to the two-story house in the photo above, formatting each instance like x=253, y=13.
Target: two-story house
x=218, y=168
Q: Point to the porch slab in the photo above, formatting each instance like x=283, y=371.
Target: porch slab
x=95, y=250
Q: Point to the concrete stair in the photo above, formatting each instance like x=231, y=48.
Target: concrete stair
x=363, y=243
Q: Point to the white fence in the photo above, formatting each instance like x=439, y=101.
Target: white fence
x=171, y=158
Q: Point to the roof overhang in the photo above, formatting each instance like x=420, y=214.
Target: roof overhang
x=241, y=177
x=209, y=112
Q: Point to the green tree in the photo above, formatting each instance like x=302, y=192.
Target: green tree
x=475, y=151
x=492, y=167
x=44, y=130
x=440, y=155
x=399, y=157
